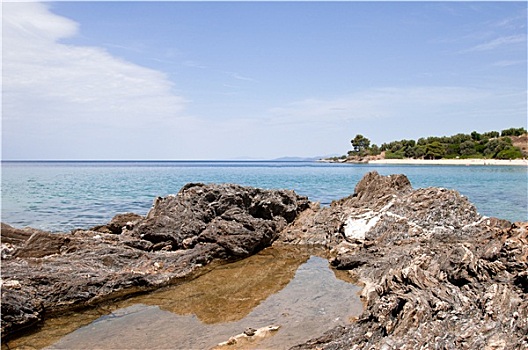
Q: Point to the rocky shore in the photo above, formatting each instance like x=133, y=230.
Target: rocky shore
x=435, y=273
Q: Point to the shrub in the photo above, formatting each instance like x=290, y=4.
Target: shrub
x=509, y=153
x=513, y=132
x=393, y=155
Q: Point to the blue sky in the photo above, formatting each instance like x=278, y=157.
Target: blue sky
x=230, y=80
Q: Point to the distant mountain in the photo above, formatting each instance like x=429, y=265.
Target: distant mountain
x=302, y=159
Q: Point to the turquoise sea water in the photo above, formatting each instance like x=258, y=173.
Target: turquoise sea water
x=60, y=196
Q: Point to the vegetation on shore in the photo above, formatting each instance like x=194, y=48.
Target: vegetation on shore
x=507, y=144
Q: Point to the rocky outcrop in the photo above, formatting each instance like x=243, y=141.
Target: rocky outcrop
x=384, y=207
x=436, y=274
x=119, y=223
x=44, y=273
x=238, y=220
x=441, y=292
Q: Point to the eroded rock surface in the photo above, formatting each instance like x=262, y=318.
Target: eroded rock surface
x=44, y=273
x=436, y=274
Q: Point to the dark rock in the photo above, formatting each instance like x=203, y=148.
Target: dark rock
x=45, y=273
x=347, y=262
x=250, y=331
x=41, y=244
x=239, y=219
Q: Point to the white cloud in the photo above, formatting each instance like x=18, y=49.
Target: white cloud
x=376, y=103
x=499, y=43
x=391, y=113
x=508, y=63
x=241, y=77
x=51, y=87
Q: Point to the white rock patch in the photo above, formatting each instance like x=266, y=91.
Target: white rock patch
x=357, y=227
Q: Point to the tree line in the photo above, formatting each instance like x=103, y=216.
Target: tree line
x=490, y=144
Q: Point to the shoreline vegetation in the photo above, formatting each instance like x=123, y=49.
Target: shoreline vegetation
x=508, y=147
x=411, y=161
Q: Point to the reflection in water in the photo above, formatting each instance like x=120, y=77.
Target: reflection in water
x=284, y=287
x=230, y=292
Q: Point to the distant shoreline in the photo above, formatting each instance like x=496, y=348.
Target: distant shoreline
x=410, y=161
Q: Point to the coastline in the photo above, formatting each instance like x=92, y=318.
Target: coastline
x=410, y=161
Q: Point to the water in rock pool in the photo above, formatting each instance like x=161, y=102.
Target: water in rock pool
x=285, y=287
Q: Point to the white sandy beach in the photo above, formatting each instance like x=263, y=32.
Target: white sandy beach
x=521, y=162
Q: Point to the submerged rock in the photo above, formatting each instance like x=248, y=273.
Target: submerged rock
x=249, y=337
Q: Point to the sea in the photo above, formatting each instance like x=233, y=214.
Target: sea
x=59, y=196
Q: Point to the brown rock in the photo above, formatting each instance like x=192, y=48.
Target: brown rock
x=119, y=223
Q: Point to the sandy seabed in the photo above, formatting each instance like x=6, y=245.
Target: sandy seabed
x=521, y=162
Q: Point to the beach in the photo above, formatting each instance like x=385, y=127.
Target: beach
x=409, y=161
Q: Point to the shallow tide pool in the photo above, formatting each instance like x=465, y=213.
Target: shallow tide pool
x=294, y=289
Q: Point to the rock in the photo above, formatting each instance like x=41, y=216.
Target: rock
x=347, y=262
x=238, y=220
x=119, y=223
x=250, y=331
x=44, y=273
x=250, y=336
x=436, y=274
x=385, y=207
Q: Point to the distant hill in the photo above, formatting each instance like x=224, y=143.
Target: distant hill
x=302, y=159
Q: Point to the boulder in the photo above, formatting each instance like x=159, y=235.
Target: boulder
x=119, y=223
x=239, y=220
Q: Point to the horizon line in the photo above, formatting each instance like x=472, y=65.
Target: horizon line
x=286, y=159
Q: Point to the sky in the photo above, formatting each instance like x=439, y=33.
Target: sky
x=254, y=80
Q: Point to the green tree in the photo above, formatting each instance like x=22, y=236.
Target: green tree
x=510, y=153
x=495, y=146
x=467, y=148
x=476, y=136
x=360, y=143
x=419, y=151
x=452, y=150
x=374, y=150
x=491, y=134
x=513, y=132
x=434, y=150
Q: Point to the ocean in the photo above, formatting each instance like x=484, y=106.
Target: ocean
x=60, y=196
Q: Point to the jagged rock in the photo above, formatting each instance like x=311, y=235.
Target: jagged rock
x=347, y=262
x=436, y=274
x=385, y=207
x=44, y=273
x=240, y=220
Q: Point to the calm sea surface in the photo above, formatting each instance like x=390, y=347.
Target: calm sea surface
x=60, y=196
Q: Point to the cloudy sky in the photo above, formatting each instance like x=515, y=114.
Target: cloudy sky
x=216, y=80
